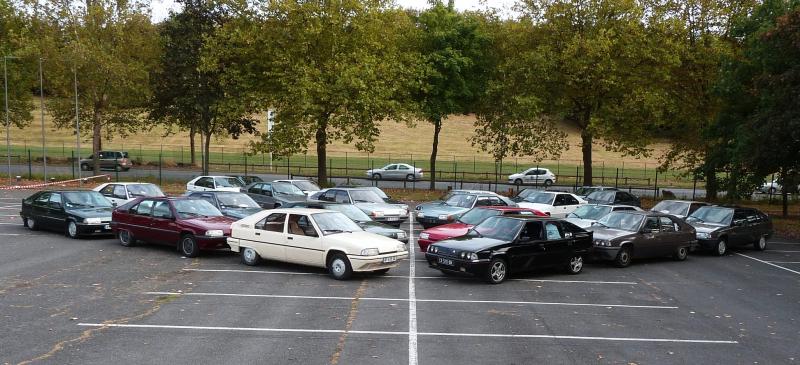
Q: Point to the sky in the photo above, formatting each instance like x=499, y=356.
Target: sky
x=161, y=7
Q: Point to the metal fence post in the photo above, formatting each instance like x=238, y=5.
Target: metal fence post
x=694, y=185
x=30, y=170
x=577, y=176
x=616, y=179
x=655, y=190
x=159, y=168
x=117, y=168
x=245, y=165
x=346, y=168
x=288, y=161
x=72, y=163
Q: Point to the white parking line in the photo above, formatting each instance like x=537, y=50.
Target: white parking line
x=783, y=251
x=769, y=263
x=414, y=300
x=11, y=207
x=784, y=243
x=784, y=262
x=257, y=271
x=403, y=333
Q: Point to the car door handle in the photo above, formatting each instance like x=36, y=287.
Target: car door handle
x=258, y=233
x=291, y=238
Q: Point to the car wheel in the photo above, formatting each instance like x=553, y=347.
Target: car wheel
x=72, y=229
x=376, y=176
x=31, y=224
x=548, y=182
x=381, y=272
x=575, y=265
x=188, y=246
x=126, y=238
x=518, y=182
x=410, y=177
x=498, y=271
x=250, y=257
x=339, y=267
x=681, y=253
x=623, y=258
x=84, y=167
x=722, y=248
x=276, y=206
x=761, y=244
x=117, y=168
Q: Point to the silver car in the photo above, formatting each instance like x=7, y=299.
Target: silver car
x=366, y=200
x=396, y=171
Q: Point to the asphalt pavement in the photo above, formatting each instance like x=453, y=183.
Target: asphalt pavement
x=92, y=301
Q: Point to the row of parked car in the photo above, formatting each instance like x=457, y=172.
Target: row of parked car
x=348, y=229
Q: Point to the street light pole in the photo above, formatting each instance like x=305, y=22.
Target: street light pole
x=8, y=125
x=41, y=97
x=77, y=127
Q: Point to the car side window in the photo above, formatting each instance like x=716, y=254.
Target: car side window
x=204, y=182
x=329, y=196
x=273, y=223
x=570, y=200
x=255, y=189
x=623, y=209
x=667, y=225
x=531, y=232
x=42, y=199
x=753, y=217
x=560, y=200
x=553, y=231
x=403, y=167
x=144, y=208
x=207, y=197
x=739, y=216
x=651, y=224
x=120, y=192
x=266, y=189
x=108, y=190
x=483, y=202
x=55, y=200
x=301, y=225
x=161, y=210
x=342, y=197
x=391, y=167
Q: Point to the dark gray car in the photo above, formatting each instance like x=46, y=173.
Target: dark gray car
x=114, y=160
x=230, y=203
x=720, y=227
x=625, y=235
x=270, y=195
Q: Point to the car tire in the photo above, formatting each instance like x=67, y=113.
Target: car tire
x=339, y=267
x=117, y=168
x=380, y=272
x=250, y=256
x=31, y=224
x=188, y=246
x=721, y=248
x=126, y=238
x=623, y=258
x=761, y=244
x=497, y=272
x=376, y=176
x=681, y=253
x=72, y=229
x=518, y=182
x=84, y=167
x=410, y=177
x=575, y=265
x=548, y=183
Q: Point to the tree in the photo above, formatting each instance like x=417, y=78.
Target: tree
x=330, y=69
x=20, y=70
x=112, y=46
x=452, y=45
x=187, y=95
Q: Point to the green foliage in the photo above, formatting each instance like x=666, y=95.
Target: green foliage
x=14, y=36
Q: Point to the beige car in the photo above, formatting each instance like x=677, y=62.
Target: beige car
x=314, y=237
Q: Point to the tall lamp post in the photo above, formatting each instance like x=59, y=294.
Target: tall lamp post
x=77, y=127
x=8, y=122
x=41, y=98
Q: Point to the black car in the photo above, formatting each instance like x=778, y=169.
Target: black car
x=74, y=212
x=270, y=195
x=614, y=197
x=524, y=193
x=625, y=235
x=502, y=245
x=357, y=215
x=230, y=203
x=721, y=227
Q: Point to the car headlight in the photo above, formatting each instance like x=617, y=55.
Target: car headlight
x=435, y=249
x=401, y=247
x=473, y=256
x=404, y=212
x=703, y=235
x=424, y=236
x=369, y=252
x=420, y=215
x=602, y=243
x=377, y=213
x=468, y=255
x=93, y=220
x=214, y=233
x=444, y=217
x=401, y=235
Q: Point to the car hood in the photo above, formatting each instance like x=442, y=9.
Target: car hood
x=362, y=240
x=470, y=243
x=239, y=213
x=448, y=231
x=608, y=234
x=544, y=208
x=290, y=198
x=379, y=228
x=387, y=209
x=427, y=205
x=91, y=212
x=705, y=227
x=437, y=210
x=209, y=223
x=580, y=222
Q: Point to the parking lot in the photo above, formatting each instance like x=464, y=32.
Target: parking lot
x=92, y=301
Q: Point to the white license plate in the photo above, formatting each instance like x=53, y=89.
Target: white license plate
x=392, y=219
x=442, y=261
x=387, y=260
x=107, y=226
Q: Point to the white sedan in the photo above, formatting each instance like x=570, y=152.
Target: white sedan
x=218, y=183
x=534, y=175
x=553, y=203
x=122, y=192
x=314, y=237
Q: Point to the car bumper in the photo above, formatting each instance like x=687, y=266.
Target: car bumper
x=429, y=222
x=707, y=244
x=378, y=262
x=395, y=221
x=604, y=253
x=94, y=229
x=475, y=268
x=212, y=243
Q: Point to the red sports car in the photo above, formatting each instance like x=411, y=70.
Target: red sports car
x=192, y=224
x=467, y=221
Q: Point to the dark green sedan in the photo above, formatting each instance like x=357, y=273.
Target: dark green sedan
x=74, y=212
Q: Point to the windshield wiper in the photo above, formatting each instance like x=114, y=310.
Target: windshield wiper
x=361, y=201
x=601, y=224
x=335, y=231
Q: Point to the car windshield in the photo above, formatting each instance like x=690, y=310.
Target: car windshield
x=350, y=211
x=621, y=220
x=593, y=212
x=335, y=222
x=305, y=185
x=477, y=215
x=379, y=192
x=193, y=208
x=541, y=198
x=365, y=196
x=602, y=195
x=461, y=200
x=527, y=192
x=85, y=199
x=146, y=190
x=236, y=200
x=585, y=190
x=228, y=182
x=500, y=228
x=672, y=207
x=712, y=215
x=286, y=188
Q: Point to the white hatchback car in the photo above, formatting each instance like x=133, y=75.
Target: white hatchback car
x=218, y=183
x=534, y=175
x=119, y=193
x=553, y=203
x=314, y=237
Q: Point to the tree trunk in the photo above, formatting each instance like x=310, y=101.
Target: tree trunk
x=97, y=120
x=586, y=149
x=437, y=127
x=192, y=132
x=712, y=185
x=322, y=152
x=207, y=149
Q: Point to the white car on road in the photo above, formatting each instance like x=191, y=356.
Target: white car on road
x=314, y=237
x=119, y=193
x=773, y=187
x=396, y=171
x=553, y=203
x=534, y=175
x=218, y=183
x=585, y=215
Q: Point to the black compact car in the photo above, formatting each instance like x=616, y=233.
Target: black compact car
x=74, y=212
x=613, y=197
x=624, y=235
x=721, y=227
x=230, y=203
x=502, y=245
x=271, y=195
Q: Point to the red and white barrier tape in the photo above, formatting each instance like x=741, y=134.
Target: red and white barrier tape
x=34, y=186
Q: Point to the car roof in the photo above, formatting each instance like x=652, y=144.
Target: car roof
x=127, y=183
x=507, y=209
x=214, y=192
x=290, y=180
x=683, y=201
x=300, y=210
x=230, y=176
x=68, y=191
x=532, y=218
